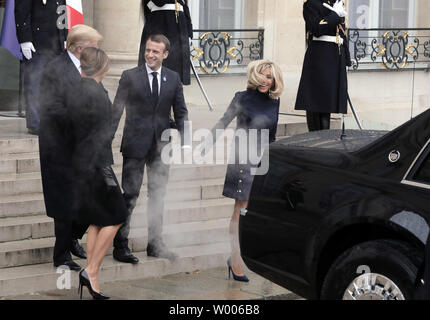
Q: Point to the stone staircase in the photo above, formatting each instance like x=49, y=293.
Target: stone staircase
x=196, y=221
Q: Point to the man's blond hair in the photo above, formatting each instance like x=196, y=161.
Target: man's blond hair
x=256, y=79
x=80, y=36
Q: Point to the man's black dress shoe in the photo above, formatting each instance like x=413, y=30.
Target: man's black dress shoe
x=70, y=263
x=160, y=250
x=124, y=255
x=77, y=250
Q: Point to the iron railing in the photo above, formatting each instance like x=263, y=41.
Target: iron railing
x=226, y=51
x=389, y=49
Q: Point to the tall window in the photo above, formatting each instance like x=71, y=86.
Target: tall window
x=382, y=13
x=217, y=14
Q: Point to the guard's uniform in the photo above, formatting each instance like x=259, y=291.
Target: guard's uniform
x=161, y=17
x=44, y=25
x=323, y=85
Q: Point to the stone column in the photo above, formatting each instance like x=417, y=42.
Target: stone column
x=121, y=24
x=88, y=8
x=284, y=42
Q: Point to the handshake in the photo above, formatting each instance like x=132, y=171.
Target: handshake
x=338, y=7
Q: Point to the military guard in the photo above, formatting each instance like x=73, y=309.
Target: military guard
x=42, y=31
x=323, y=85
x=172, y=19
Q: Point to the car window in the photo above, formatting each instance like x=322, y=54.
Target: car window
x=422, y=175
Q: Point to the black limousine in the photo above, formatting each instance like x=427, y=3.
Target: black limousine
x=342, y=218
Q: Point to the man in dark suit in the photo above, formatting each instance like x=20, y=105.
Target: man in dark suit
x=41, y=32
x=56, y=143
x=148, y=92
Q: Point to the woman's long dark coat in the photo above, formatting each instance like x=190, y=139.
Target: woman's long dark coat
x=323, y=85
x=164, y=22
x=99, y=198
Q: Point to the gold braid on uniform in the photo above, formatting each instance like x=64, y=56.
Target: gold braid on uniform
x=177, y=11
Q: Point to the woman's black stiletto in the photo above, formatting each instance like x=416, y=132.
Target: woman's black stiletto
x=84, y=280
x=235, y=277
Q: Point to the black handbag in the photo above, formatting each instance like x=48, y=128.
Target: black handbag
x=108, y=176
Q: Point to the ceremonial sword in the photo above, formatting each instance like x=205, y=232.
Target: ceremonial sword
x=201, y=85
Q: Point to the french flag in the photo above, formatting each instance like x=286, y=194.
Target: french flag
x=8, y=38
x=74, y=13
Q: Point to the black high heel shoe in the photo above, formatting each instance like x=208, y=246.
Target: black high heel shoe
x=84, y=280
x=235, y=277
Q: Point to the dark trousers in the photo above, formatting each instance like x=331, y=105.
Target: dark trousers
x=65, y=232
x=132, y=177
x=33, y=71
x=318, y=121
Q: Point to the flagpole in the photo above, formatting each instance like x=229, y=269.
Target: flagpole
x=20, y=98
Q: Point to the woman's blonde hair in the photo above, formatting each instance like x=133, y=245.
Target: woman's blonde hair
x=94, y=61
x=80, y=36
x=256, y=79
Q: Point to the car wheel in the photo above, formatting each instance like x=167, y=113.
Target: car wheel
x=374, y=270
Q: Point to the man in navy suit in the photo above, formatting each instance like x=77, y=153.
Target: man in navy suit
x=149, y=92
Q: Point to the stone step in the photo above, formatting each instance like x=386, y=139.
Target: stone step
x=36, y=251
x=41, y=226
x=30, y=163
x=30, y=144
x=21, y=205
x=185, y=234
x=44, y=277
x=25, y=183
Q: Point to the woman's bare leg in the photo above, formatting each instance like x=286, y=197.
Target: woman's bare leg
x=234, y=237
x=102, y=244
x=91, y=241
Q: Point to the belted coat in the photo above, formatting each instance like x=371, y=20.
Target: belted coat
x=323, y=85
x=177, y=31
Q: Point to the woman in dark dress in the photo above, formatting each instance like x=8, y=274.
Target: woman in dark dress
x=100, y=202
x=256, y=108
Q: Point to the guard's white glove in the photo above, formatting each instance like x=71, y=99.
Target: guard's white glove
x=338, y=7
x=190, y=42
x=27, y=48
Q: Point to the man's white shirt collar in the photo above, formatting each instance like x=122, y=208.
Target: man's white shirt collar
x=150, y=71
x=75, y=61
